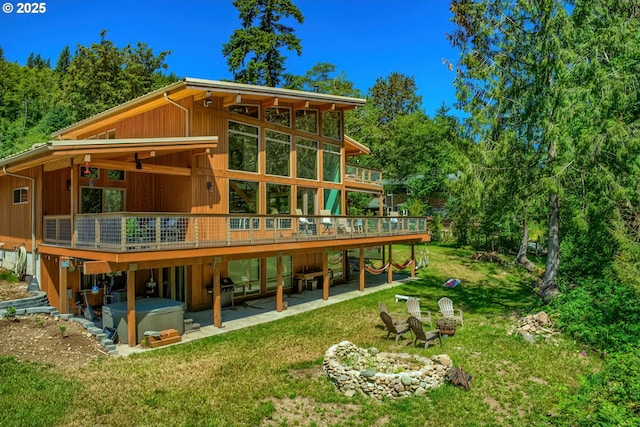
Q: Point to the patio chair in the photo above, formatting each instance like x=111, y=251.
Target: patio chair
x=395, y=317
x=327, y=221
x=305, y=225
x=447, y=310
x=420, y=334
x=398, y=329
x=344, y=226
x=413, y=307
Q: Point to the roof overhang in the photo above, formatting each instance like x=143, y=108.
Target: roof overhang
x=108, y=153
x=200, y=89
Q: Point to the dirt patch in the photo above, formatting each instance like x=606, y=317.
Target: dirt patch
x=11, y=291
x=46, y=339
x=302, y=411
x=43, y=338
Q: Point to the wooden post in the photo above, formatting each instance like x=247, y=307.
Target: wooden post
x=279, y=284
x=361, y=268
x=413, y=259
x=217, y=302
x=160, y=281
x=63, y=276
x=131, y=308
x=325, y=275
x=390, y=270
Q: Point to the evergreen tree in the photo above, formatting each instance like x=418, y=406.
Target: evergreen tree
x=394, y=96
x=64, y=60
x=262, y=37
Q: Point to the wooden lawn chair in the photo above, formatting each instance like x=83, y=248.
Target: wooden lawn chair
x=413, y=307
x=398, y=329
x=420, y=334
x=447, y=310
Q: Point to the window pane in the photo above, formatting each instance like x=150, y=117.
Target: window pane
x=306, y=200
x=89, y=172
x=331, y=124
x=243, y=196
x=279, y=202
x=245, y=274
x=115, y=175
x=272, y=272
x=278, y=153
x=307, y=121
x=306, y=158
x=113, y=200
x=331, y=163
x=278, y=115
x=243, y=147
x=20, y=195
x=333, y=201
x=245, y=110
x=90, y=200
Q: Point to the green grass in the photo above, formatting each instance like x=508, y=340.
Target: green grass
x=238, y=378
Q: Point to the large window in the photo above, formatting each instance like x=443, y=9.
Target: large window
x=243, y=198
x=252, y=111
x=306, y=200
x=20, y=195
x=99, y=200
x=331, y=163
x=279, y=202
x=333, y=201
x=243, y=147
x=306, y=158
x=278, y=115
x=332, y=124
x=272, y=272
x=278, y=153
x=307, y=121
x=245, y=274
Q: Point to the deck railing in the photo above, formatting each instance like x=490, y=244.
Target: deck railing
x=363, y=175
x=129, y=231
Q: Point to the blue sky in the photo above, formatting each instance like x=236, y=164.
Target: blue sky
x=367, y=39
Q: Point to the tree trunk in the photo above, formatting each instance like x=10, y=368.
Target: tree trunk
x=522, y=252
x=549, y=288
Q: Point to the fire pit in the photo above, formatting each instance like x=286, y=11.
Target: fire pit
x=383, y=375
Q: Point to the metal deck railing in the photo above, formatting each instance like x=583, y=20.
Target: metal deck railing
x=134, y=231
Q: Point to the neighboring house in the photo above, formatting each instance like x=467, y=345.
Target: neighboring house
x=204, y=192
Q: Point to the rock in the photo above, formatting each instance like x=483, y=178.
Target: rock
x=529, y=338
x=368, y=373
x=542, y=318
x=420, y=391
x=443, y=359
x=350, y=393
x=405, y=380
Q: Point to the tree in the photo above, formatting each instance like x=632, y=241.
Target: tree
x=394, y=96
x=324, y=78
x=262, y=37
x=102, y=76
x=64, y=60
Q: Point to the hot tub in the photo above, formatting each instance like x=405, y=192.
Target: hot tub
x=152, y=314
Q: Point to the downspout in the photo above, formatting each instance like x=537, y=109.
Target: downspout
x=33, y=215
x=183, y=108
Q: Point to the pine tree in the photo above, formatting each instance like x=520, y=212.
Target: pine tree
x=254, y=52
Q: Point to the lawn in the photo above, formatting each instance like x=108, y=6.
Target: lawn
x=270, y=374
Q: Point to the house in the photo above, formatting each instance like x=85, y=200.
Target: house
x=205, y=192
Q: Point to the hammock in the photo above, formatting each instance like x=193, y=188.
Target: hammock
x=376, y=270
x=403, y=266
x=423, y=260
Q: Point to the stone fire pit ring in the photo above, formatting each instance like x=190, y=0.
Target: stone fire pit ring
x=383, y=375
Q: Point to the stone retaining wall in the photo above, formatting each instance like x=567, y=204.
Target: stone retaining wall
x=383, y=375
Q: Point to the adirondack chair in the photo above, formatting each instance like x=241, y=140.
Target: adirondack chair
x=327, y=221
x=420, y=334
x=396, y=317
x=447, y=310
x=305, y=225
x=413, y=307
x=398, y=329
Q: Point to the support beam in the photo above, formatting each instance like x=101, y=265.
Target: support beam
x=279, y=284
x=325, y=275
x=63, y=277
x=390, y=270
x=146, y=168
x=217, y=301
x=301, y=105
x=271, y=102
x=361, y=272
x=131, y=308
x=413, y=259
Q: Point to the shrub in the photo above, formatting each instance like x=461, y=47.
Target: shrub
x=600, y=313
x=609, y=398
